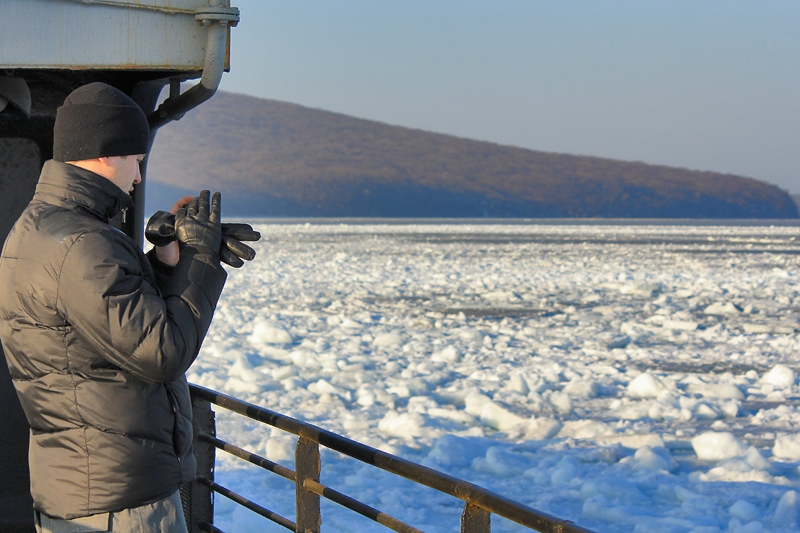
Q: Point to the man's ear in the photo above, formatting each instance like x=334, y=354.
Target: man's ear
x=108, y=166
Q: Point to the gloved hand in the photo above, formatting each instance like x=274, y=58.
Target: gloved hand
x=233, y=250
x=198, y=224
x=160, y=231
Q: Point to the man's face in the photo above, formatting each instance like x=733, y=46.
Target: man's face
x=124, y=171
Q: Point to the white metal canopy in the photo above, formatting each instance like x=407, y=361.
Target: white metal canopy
x=106, y=34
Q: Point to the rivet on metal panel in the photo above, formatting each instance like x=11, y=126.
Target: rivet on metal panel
x=223, y=15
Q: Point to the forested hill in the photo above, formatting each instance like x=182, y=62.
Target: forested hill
x=277, y=159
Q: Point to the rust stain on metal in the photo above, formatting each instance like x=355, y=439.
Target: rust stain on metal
x=166, y=9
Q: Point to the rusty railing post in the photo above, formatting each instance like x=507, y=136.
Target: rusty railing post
x=307, y=466
x=197, y=498
x=475, y=520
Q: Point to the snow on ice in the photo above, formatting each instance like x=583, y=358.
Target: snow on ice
x=629, y=378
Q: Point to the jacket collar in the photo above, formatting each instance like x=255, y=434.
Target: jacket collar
x=73, y=187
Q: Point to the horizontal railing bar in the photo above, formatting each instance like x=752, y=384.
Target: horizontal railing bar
x=326, y=492
x=361, y=508
x=250, y=457
x=253, y=506
x=205, y=526
x=463, y=490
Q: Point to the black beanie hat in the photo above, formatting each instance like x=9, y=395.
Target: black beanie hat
x=98, y=120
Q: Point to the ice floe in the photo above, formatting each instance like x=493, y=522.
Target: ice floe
x=629, y=378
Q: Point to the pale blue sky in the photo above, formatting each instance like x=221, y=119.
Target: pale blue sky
x=709, y=85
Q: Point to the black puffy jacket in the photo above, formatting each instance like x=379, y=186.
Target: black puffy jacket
x=97, y=343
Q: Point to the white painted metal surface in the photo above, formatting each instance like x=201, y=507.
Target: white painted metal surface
x=103, y=34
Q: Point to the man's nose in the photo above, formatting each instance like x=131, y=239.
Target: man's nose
x=138, y=178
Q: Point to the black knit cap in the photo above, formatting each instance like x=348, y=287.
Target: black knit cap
x=98, y=120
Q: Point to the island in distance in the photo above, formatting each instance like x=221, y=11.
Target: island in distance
x=275, y=159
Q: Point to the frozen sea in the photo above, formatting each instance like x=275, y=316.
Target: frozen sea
x=630, y=378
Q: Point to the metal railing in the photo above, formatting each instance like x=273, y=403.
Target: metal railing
x=479, y=503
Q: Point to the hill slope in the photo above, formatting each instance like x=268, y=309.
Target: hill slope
x=278, y=159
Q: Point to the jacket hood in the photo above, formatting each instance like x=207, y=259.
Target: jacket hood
x=74, y=187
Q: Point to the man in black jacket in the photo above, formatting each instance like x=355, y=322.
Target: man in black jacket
x=98, y=335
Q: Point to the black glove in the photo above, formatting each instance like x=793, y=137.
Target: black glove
x=198, y=224
x=160, y=231
x=233, y=250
